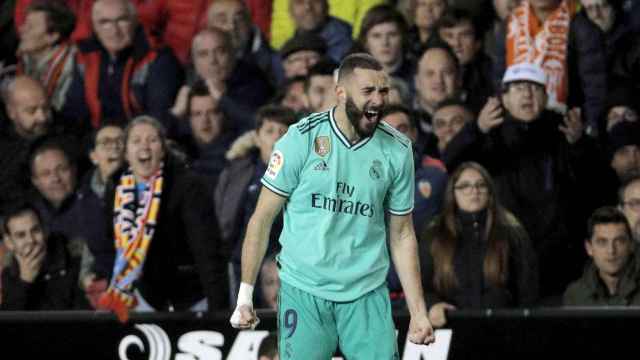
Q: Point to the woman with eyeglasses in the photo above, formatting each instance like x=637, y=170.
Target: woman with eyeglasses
x=475, y=254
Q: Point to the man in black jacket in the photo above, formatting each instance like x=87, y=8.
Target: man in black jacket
x=42, y=274
x=543, y=166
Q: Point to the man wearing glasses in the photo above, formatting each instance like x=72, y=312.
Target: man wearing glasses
x=119, y=72
x=542, y=165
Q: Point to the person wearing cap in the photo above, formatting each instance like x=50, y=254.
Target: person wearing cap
x=568, y=47
x=300, y=53
x=611, y=277
x=623, y=141
x=542, y=165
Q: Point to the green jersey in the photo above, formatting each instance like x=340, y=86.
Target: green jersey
x=334, y=237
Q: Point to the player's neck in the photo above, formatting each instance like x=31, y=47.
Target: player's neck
x=345, y=125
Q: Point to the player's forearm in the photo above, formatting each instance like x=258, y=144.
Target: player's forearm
x=254, y=248
x=404, y=250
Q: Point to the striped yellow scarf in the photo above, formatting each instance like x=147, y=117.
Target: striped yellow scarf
x=134, y=225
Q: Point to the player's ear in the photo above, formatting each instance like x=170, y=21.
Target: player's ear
x=341, y=94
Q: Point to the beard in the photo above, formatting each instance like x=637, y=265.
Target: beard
x=364, y=120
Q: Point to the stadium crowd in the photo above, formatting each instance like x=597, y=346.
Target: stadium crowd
x=134, y=134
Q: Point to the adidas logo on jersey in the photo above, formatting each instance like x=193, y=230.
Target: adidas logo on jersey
x=321, y=166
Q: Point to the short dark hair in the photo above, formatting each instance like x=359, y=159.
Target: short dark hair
x=456, y=16
x=45, y=144
x=400, y=108
x=286, y=86
x=60, y=19
x=199, y=88
x=357, y=61
x=269, y=346
x=607, y=215
x=452, y=101
x=91, y=142
x=325, y=67
x=381, y=14
x=276, y=113
x=16, y=209
x=442, y=45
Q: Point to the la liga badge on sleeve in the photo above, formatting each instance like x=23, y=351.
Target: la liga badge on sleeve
x=275, y=164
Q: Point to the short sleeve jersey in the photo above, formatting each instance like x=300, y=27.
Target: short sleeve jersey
x=334, y=236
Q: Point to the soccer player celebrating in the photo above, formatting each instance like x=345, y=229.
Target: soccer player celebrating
x=338, y=174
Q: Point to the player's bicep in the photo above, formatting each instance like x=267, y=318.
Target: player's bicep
x=269, y=206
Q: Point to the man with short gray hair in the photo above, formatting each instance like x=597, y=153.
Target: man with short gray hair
x=119, y=73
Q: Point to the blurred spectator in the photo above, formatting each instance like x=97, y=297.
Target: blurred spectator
x=611, y=278
x=502, y=9
x=623, y=148
x=463, y=33
x=543, y=165
x=238, y=88
x=320, y=86
x=119, y=74
x=312, y=16
x=615, y=26
x=42, y=275
x=171, y=22
x=210, y=134
x=424, y=14
x=629, y=202
x=106, y=150
x=45, y=51
x=53, y=173
x=248, y=41
x=399, y=92
x=284, y=26
x=621, y=105
x=448, y=120
x=300, y=53
x=161, y=214
x=30, y=117
x=268, y=349
x=270, y=283
x=237, y=191
x=457, y=133
x=476, y=254
x=437, y=79
x=568, y=47
x=292, y=95
x=384, y=36
x=8, y=34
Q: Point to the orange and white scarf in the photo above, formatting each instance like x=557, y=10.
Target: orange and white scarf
x=134, y=225
x=544, y=44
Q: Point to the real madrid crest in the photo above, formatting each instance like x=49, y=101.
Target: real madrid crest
x=375, y=171
x=322, y=145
